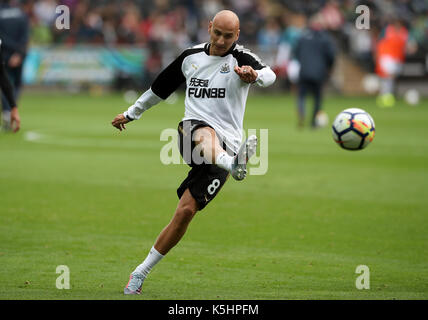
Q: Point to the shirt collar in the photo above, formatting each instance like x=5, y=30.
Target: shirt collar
x=208, y=45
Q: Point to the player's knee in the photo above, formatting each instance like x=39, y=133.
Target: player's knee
x=204, y=135
x=185, y=213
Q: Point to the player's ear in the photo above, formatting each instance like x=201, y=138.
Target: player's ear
x=237, y=35
x=210, y=25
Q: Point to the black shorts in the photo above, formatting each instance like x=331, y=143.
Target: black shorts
x=204, y=180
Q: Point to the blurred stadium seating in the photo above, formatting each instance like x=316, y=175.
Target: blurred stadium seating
x=125, y=43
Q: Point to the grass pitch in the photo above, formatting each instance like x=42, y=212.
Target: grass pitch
x=76, y=192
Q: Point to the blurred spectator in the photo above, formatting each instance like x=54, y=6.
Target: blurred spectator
x=390, y=55
x=14, y=35
x=142, y=21
x=242, y=7
x=209, y=8
x=202, y=35
x=284, y=64
x=419, y=31
x=361, y=47
x=315, y=53
x=40, y=33
x=44, y=11
x=109, y=32
x=128, y=31
x=91, y=29
x=153, y=64
x=268, y=37
x=331, y=17
x=271, y=26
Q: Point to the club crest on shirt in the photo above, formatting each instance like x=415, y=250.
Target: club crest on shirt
x=225, y=68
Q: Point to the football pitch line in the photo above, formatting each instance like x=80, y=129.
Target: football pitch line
x=55, y=139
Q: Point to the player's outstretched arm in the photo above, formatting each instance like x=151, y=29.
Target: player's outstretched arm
x=164, y=84
x=119, y=122
x=147, y=100
x=263, y=77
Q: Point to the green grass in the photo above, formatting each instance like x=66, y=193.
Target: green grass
x=75, y=192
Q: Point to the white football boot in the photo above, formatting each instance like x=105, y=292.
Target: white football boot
x=134, y=284
x=246, y=151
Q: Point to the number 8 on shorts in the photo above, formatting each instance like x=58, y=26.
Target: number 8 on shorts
x=213, y=186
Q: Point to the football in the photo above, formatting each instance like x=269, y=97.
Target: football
x=353, y=129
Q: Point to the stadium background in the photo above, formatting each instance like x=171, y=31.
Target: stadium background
x=126, y=43
x=75, y=192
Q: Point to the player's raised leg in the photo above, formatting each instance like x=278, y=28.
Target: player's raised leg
x=206, y=138
x=209, y=145
x=167, y=239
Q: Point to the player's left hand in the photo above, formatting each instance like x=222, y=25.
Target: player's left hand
x=246, y=73
x=119, y=122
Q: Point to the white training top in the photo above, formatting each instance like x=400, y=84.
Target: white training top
x=214, y=92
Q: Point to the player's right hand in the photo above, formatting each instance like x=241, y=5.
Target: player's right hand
x=15, y=120
x=119, y=122
x=15, y=60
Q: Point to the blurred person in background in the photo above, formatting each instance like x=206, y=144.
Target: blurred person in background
x=14, y=34
x=7, y=91
x=153, y=64
x=44, y=10
x=285, y=65
x=390, y=53
x=315, y=53
x=269, y=35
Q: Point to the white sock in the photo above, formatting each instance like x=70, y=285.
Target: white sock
x=224, y=161
x=152, y=259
